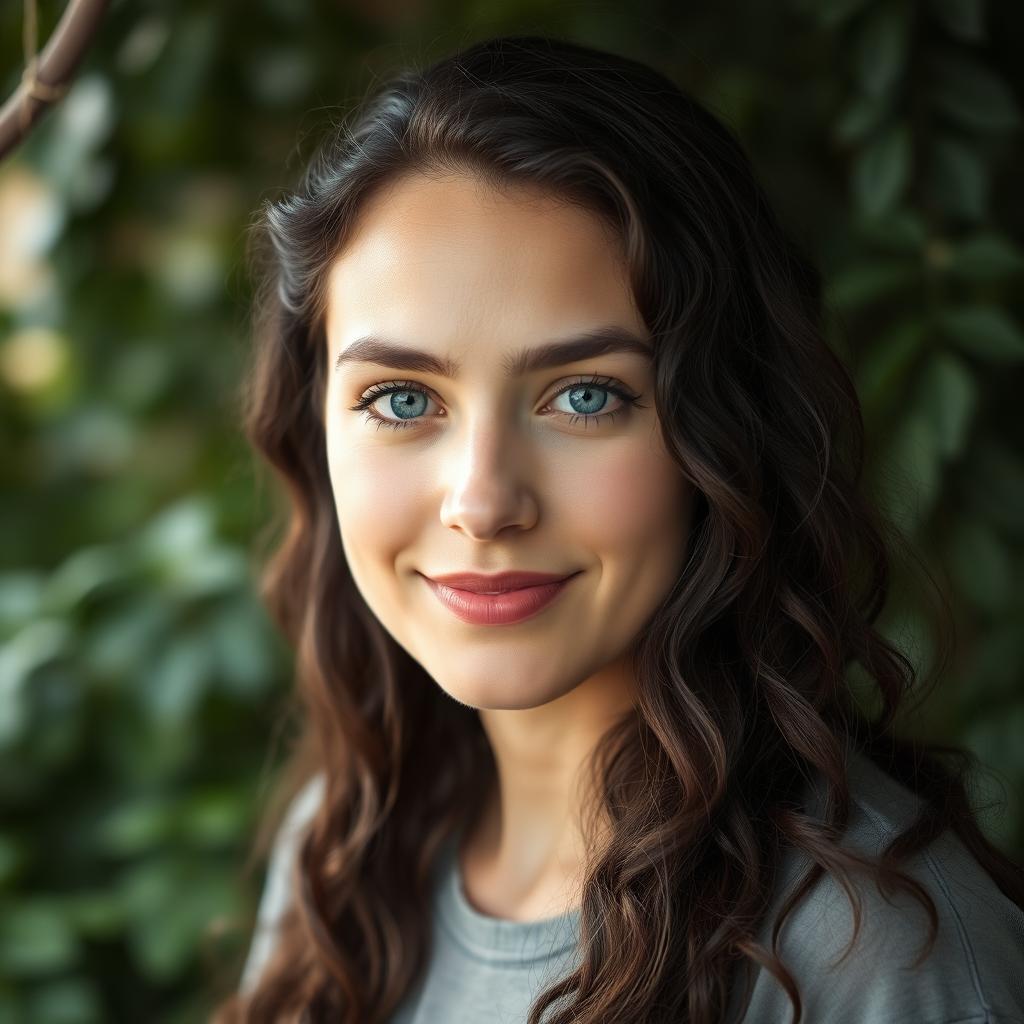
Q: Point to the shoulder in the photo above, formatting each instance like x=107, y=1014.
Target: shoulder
x=277, y=888
x=975, y=971
x=299, y=814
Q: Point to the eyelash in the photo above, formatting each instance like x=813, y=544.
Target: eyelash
x=604, y=383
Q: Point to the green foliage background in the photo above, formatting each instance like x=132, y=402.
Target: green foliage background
x=140, y=682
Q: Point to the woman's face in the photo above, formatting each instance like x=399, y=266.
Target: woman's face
x=492, y=470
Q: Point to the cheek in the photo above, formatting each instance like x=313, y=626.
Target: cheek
x=376, y=492
x=627, y=499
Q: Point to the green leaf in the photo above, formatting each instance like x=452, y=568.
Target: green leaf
x=880, y=374
x=95, y=913
x=828, y=13
x=910, y=472
x=932, y=430
x=140, y=375
x=35, y=937
x=986, y=256
x=958, y=179
x=880, y=173
x=880, y=49
x=861, y=116
x=135, y=826
x=180, y=531
x=12, y=1009
x=968, y=92
x=908, y=629
x=178, y=680
x=120, y=644
x=991, y=739
x=981, y=564
x=21, y=594
x=173, y=900
x=13, y=857
x=216, y=570
x=238, y=638
x=82, y=573
x=67, y=1001
x=31, y=648
x=983, y=331
x=213, y=817
x=948, y=397
x=900, y=230
x=992, y=485
x=964, y=19
x=864, y=283
x=154, y=751
x=997, y=657
x=997, y=741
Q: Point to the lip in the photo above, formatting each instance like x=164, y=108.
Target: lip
x=505, y=608
x=480, y=583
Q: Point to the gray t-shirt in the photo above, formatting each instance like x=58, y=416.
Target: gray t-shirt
x=485, y=970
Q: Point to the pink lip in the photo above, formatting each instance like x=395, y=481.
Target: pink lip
x=497, y=609
x=502, y=581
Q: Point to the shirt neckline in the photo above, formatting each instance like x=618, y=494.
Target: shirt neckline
x=502, y=941
x=497, y=939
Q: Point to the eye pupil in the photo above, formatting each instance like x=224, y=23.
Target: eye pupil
x=403, y=403
x=587, y=392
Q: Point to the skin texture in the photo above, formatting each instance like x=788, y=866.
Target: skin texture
x=494, y=476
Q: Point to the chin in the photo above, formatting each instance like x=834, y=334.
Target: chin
x=497, y=697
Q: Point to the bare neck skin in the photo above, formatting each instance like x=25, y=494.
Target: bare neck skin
x=523, y=860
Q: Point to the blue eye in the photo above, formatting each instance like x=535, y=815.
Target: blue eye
x=586, y=396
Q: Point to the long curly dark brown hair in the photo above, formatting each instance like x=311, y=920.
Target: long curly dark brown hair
x=745, y=673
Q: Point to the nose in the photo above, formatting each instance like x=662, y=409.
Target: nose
x=490, y=483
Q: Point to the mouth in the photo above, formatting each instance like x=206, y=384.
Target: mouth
x=498, y=583
x=505, y=607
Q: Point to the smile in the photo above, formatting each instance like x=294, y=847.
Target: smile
x=500, y=609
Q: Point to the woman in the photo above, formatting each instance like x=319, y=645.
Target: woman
x=530, y=313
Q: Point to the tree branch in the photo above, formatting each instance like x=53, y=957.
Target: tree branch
x=53, y=71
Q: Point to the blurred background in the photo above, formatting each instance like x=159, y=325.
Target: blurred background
x=141, y=685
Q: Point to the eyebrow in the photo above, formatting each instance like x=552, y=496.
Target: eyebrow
x=597, y=342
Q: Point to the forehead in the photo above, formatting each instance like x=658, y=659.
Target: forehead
x=450, y=262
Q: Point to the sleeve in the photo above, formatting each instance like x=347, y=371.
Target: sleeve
x=277, y=887
x=974, y=974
